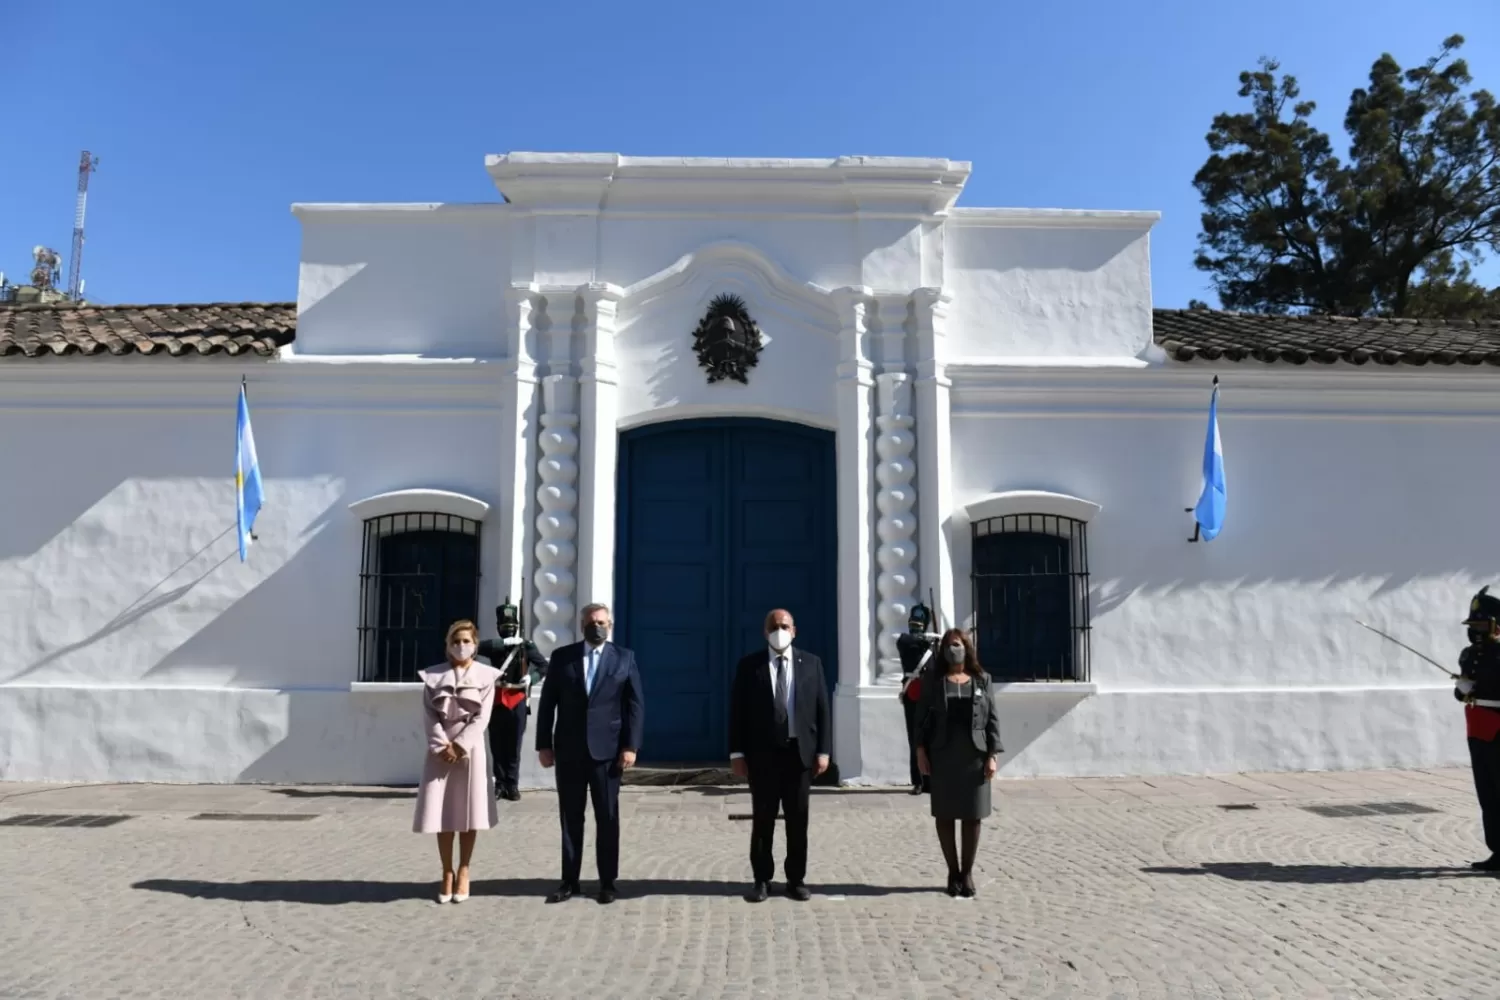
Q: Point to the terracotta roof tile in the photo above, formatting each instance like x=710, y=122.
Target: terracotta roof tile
x=1187, y=335
x=228, y=328
x=1193, y=335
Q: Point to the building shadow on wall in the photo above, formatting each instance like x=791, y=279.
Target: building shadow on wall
x=245, y=634
x=338, y=892
x=1255, y=871
x=153, y=599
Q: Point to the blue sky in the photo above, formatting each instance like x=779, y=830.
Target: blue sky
x=210, y=119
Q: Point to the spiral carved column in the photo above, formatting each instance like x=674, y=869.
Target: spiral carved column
x=896, y=528
x=557, y=522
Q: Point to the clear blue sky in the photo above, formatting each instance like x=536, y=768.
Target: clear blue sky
x=210, y=119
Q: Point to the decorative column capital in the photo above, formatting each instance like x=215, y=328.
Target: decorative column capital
x=891, y=313
x=930, y=320
x=854, y=305
x=600, y=303
x=518, y=336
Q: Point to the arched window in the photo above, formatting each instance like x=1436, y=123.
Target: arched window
x=1031, y=596
x=419, y=573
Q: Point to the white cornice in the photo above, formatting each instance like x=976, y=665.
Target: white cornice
x=586, y=183
x=1031, y=502
x=1053, y=218
x=1247, y=391
x=420, y=501
x=180, y=387
x=396, y=211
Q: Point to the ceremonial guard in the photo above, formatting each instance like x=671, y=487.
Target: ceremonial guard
x=521, y=666
x=1479, y=689
x=915, y=647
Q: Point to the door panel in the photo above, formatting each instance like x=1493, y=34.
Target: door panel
x=720, y=521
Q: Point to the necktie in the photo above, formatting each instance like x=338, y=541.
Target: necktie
x=782, y=731
x=588, y=677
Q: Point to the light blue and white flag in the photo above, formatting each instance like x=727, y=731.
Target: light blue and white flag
x=1210, y=510
x=248, y=495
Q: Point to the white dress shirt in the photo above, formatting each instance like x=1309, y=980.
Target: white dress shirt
x=791, y=686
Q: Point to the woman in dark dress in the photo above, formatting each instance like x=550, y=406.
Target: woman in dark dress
x=959, y=741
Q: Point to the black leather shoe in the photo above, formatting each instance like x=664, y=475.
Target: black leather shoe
x=758, y=893
x=564, y=893
x=511, y=795
x=607, y=894
x=955, y=883
x=968, y=891
x=1489, y=864
x=798, y=892
x=916, y=789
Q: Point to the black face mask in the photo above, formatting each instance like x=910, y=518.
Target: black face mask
x=595, y=633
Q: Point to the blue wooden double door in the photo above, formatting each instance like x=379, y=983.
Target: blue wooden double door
x=719, y=522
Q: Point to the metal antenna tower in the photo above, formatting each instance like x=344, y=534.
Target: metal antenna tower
x=87, y=164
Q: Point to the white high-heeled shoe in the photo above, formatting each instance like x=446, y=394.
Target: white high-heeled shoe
x=444, y=897
x=458, y=897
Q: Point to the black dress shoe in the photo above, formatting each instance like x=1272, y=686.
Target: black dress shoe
x=916, y=789
x=968, y=891
x=607, y=894
x=798, y=892
x=955, y=883
x=758, y=893
x=1489, y=864
x=511, y=794
x=564, y=893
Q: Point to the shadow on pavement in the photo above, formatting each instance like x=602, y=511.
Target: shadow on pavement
x=344, y=793
x=332, y=892
x=1254, y=871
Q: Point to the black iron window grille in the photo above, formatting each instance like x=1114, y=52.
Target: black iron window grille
x=1031, y=597
x=419, y=573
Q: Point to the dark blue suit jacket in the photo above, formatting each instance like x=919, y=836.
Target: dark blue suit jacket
x=576, y=725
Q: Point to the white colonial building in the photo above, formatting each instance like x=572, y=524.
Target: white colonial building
x=539, y=398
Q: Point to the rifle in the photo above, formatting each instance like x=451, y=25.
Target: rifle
x=1404, y=646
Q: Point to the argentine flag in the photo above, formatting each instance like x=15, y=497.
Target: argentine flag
x=247, y=489
x=1210, y=510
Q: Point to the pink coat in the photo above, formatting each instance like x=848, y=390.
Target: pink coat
x=456, y=706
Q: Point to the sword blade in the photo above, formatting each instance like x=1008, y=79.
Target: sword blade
x=1414, y=652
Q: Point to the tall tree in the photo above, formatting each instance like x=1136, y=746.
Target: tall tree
x=1289, y=227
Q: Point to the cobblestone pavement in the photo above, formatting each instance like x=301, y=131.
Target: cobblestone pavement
x=1175, y=887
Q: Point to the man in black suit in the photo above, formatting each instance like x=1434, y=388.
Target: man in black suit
x=780, y=738
x=589, y=721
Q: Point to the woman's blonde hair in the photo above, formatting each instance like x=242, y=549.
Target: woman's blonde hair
x=462, y=625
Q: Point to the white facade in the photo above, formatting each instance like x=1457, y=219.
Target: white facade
x=970, y=363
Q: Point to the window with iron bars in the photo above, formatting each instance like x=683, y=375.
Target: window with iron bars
x=1031, y=597
x=419, y=573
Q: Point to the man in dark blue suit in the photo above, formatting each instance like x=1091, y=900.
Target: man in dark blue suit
x=589, y=725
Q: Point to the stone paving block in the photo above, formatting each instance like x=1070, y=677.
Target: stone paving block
x=1159, y=894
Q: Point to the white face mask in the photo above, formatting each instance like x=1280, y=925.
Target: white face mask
x=462, y=651
x=780, y=639
x=955, y=654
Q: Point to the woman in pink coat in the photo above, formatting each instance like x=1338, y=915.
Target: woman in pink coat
x=455, y=797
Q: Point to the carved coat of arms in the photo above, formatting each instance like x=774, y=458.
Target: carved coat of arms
x=727, y=340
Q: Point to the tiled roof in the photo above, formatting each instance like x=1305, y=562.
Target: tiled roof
x=1187, y=335
x=1193, y=335
x=220, y=328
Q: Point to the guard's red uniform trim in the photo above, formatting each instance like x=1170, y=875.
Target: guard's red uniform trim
x=1483, y=723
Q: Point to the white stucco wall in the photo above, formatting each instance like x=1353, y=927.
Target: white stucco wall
x=1349, y=496
x=135, y=646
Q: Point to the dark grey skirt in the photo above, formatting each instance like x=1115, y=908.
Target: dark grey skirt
x=959, y=790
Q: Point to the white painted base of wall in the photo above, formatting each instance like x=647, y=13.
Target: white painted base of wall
x=225, y=735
